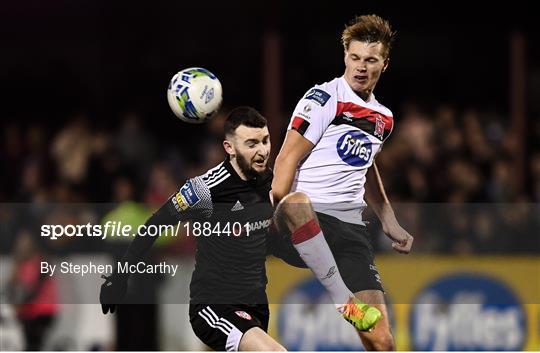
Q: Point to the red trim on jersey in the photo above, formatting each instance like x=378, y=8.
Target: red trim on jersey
x=359, y=112
x=306, y=232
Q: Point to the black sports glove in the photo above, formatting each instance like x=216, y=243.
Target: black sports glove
x=112, y=292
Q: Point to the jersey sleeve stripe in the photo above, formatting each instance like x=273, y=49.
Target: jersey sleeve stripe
x=218, y=181
x=215, y=176
x=212, y=172
x=299, y=125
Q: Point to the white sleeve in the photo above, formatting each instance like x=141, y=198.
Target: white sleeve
x=313, y=114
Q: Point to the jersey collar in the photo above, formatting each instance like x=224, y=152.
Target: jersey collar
x=230, y=169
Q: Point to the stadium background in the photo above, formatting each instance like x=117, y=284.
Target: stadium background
x=85, y=120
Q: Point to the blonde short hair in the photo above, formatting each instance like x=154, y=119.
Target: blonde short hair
x=370, y=29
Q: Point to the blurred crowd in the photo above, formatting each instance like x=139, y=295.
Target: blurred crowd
x=450, y=173
x=460, y=156
x=456, y=180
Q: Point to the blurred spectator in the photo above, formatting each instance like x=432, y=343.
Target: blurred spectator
x=71, y=149
x=104, y=165
x=417, y=129
x=161, y=185
x=135, y=146
x=34, y=293
x=484, y=230
x=417, y=184
x=11, y=159
x=31, y=181
x=501, y=185
x=126, y=210
x=464, y=177
x=480, y=151
x=12, y=334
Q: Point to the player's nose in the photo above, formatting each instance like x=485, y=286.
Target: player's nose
x=262, y=154
x=264, y=151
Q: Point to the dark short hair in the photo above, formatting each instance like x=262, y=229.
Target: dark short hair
x=246, y=116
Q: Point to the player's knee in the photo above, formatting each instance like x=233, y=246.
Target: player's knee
x=295, y=198
x=294, y=210
x=294, y=204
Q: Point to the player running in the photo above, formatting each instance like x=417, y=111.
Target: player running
x=336, y=131
x=228, y=306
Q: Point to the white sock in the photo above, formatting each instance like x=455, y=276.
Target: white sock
x=310, y=243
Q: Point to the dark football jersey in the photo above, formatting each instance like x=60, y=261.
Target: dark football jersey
x=230, y=218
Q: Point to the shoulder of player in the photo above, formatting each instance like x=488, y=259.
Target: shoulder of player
x=381, y=108
x=329, y=87
x=215, y=177
x=322, y=93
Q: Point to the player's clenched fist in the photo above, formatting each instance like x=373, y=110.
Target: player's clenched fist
x=401, y=240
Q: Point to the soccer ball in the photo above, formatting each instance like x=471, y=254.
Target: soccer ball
x=194, y=95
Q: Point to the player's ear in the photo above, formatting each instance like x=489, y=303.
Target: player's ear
x=228, y=146
x=386, y=62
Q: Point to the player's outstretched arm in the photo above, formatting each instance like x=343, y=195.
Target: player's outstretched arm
x=192, y=201
x=294, y=149
x=165, y=215
x=114, y=288
x=378, y=201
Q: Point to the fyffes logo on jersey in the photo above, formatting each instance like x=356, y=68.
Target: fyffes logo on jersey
x=355, y=148
x=467, y=312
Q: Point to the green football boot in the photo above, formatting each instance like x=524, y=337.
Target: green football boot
x=361, y=315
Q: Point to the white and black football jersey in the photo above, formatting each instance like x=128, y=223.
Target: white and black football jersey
x=347, y=133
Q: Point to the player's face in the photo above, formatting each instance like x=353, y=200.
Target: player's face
x=364, y=63
x=252, y=149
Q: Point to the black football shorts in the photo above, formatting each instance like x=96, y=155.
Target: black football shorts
x=352, y=249
x=221, y=326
